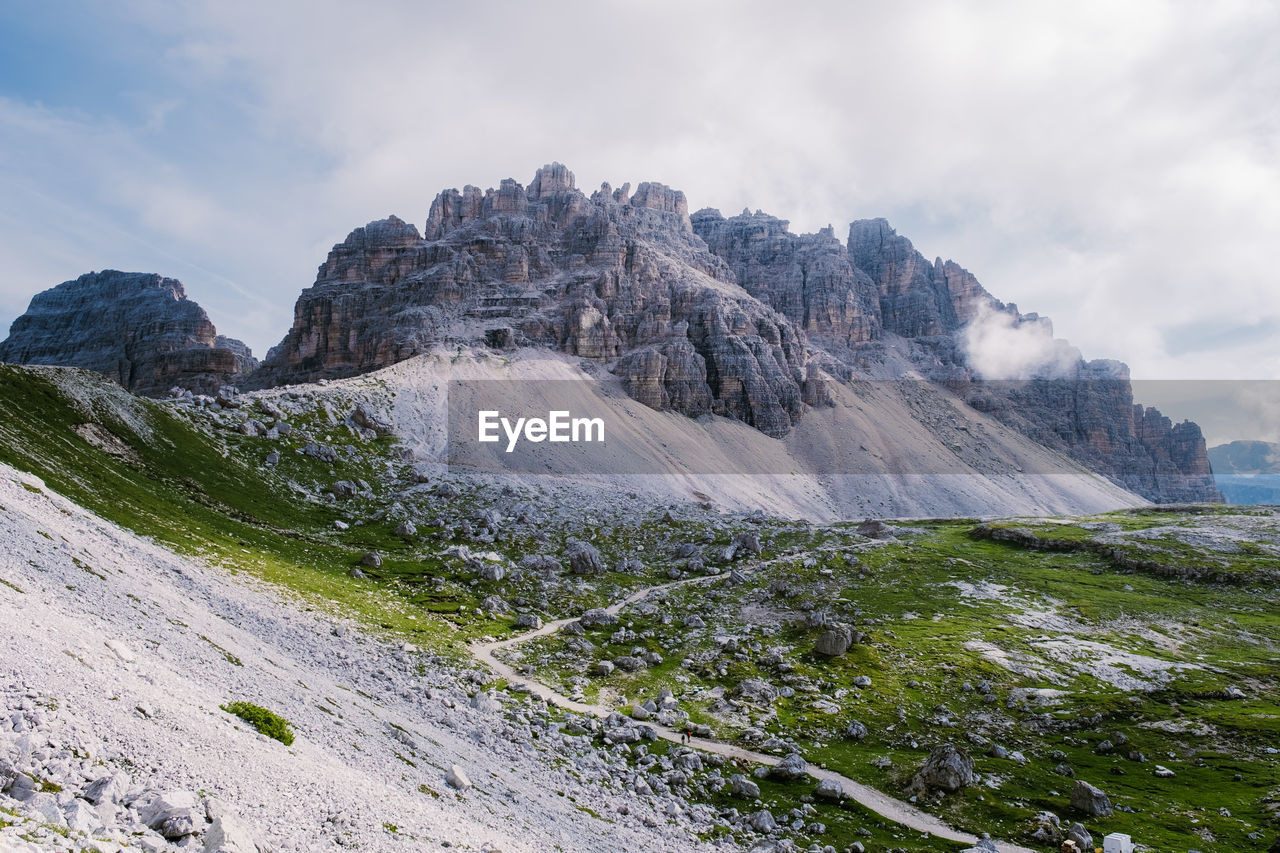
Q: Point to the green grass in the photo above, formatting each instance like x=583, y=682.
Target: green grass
x=201, y=492
x=266, y=722
x=908, y=597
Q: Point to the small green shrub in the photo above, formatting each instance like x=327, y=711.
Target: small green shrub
x=269, y=723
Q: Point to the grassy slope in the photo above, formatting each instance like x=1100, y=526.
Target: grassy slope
x=203, y=492
x=1226, y=785
x=197, y=492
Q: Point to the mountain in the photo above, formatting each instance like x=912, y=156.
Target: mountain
x=1247, y=472
x=702, y=314
x=1245, y=457
x=140, y=329
x=697, y=314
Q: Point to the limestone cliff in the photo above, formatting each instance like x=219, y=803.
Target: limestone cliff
x=704, y=313
x=137, y=328
x=613, y=276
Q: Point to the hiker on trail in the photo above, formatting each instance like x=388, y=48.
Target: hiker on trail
x=687, y=735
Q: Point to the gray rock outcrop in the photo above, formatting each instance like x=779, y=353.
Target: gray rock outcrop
x=610, y=276
x=834, y=642
x=139, y=329
x=1089, y=800
x=702, y=315
x=948, y=768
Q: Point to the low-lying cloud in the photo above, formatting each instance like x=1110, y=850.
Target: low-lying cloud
x=999, y=345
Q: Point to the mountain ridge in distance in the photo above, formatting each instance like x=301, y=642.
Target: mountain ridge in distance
x=702, y=314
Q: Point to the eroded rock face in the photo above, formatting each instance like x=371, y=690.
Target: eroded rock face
x=1092, y=417
x=701, y=314
x=808, y=278
x=610, y=276
x=137, y=328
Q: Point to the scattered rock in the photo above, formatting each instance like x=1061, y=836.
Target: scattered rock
x=948, y=768
x=1091, y=801
x=457, y=778
x=741, y=786
x=583, y=558
x=790, y=769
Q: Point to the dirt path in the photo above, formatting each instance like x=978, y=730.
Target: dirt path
x=882, y=804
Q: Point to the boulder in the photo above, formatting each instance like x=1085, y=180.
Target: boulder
x=364, y=416
x=173, y=814
x=1077, y=833
x=583, y=558
x=597, y=616
x=81, y=817
x=1047, y=829
x=229, y=834
x=829, y=790
x=834, y=642
x=1089, y=800
x=457, y=778
x=741, y=786
x=948, y=768
x=494, y=604
x=748, y=543
x=755, y=690
x=790, y=769
x=486, y=703
x=762, y=821
x=107, y=789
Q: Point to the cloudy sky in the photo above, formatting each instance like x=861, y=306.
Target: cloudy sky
x=1115, y=166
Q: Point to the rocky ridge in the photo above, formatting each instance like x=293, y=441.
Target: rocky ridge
x=705, y=314
x=614, y=276
x=698, y=314
x=140, y=329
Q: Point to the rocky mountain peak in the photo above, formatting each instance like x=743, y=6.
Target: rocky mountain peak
x=549, y=180
x=140, y=329
x=700, y=314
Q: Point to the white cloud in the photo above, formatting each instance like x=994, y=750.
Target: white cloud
x=1114, y=167
x=998, y=345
